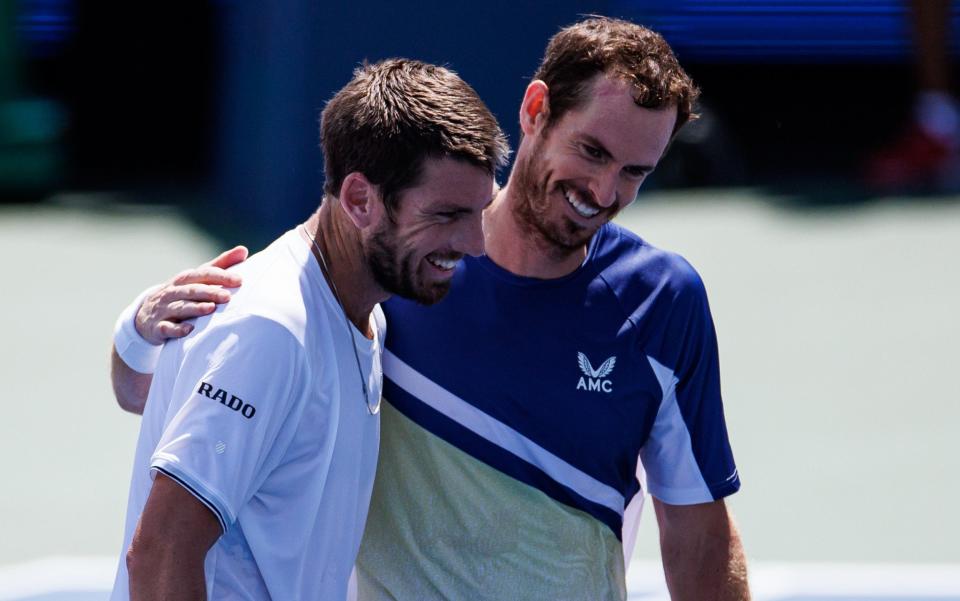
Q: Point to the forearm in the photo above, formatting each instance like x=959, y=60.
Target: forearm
x=132, y=359
x=161, y=576
x=713, y=569
x=129, y=387
x=703, y=558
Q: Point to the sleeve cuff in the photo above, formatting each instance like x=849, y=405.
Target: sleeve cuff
x=195, y=487
x=693, y=496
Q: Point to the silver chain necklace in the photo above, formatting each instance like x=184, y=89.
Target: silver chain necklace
x=374, y=408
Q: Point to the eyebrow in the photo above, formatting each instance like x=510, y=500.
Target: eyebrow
x=455, y=208
x=603, y=150
x=452, y=208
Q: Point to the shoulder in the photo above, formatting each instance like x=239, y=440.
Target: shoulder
x=276, y=289
x=635, y=269
x=261, y=340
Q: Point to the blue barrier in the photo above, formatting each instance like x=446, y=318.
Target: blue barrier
x=774, y=31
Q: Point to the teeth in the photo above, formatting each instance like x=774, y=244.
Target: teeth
x=445, y=264
x=582, y=209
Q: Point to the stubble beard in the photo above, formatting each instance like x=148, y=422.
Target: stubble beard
x=559, y=238
x=395, y=271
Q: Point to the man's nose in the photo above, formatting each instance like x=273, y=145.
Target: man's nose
x=471, y=236
x=604, y=188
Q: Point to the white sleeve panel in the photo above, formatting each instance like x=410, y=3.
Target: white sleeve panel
x=673, y=475
x=234, y=409
x=631, y=517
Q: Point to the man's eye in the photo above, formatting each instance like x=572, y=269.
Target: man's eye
x=592, y=151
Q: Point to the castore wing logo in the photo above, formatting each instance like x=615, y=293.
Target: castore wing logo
x=593, y=379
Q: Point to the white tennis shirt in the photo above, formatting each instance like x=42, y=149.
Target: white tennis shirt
x=260, y=414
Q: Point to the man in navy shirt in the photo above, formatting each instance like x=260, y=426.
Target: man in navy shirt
x=569, y=371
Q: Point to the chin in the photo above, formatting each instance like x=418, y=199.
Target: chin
x=431, y=294
x=423, y=291
x=564, y=236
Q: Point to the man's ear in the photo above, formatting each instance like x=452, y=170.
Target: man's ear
x=360, y=200
x=535, y=108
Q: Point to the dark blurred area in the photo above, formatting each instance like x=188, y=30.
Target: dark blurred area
x=107, y=95
x=215, y=105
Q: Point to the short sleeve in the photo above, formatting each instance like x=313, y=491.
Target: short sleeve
x=234, y=409
x=687, y=457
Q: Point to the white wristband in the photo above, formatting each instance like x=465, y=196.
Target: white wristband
x=136, y=352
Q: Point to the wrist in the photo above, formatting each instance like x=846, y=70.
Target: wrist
x=136, y=351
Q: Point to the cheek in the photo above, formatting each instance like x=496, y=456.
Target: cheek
x=410, y=236
x=629, y=192
x=570, y=167
x=426, y=239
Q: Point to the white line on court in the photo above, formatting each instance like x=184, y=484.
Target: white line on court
x=770, y=581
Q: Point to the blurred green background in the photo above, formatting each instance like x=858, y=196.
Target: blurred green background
x=838, y=335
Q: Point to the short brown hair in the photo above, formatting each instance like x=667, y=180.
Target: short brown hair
x=619, y=49
x=395, y=114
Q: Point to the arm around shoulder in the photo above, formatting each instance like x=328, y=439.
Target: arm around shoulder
x=129, y=387
x=159, y=313
x=703, y=556
x=132, y=359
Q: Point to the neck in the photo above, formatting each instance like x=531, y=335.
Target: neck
x=343, y=264
x=515, y=248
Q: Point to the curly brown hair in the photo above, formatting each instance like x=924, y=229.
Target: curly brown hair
x=396, y=113
x=620, y=49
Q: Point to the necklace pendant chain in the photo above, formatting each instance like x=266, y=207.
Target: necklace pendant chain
x=372, y=408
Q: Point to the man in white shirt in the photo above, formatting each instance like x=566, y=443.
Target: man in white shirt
x=258, y=447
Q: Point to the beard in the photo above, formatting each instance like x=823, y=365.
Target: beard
x=395, y=269
x=560, y=236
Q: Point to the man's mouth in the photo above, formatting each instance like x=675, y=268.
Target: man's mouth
x=444, y=263
x=580, y=204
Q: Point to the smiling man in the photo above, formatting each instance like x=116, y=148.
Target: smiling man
x=523, y=411
x=567, y=372
x=256, y=456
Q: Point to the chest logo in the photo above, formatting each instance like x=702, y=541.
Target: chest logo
x=593, y=379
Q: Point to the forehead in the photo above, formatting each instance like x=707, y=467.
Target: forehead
x=451, y=183
x=633, y=134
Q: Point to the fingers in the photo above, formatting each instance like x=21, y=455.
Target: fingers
x=168, y=319
x=214, y=272
x=168, y=329
x=207, y=274
x=168, y=307
x=182, y=310
x=191, y=293
x=195, y=293
x=237, y=254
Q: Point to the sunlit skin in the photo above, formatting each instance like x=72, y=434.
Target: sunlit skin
x=596, y=155
x=415, y=253
x=373, y=255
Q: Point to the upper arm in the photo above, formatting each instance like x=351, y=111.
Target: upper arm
x=175, y=518
x=170, y=544
x=130, y=387
x=234, y=407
